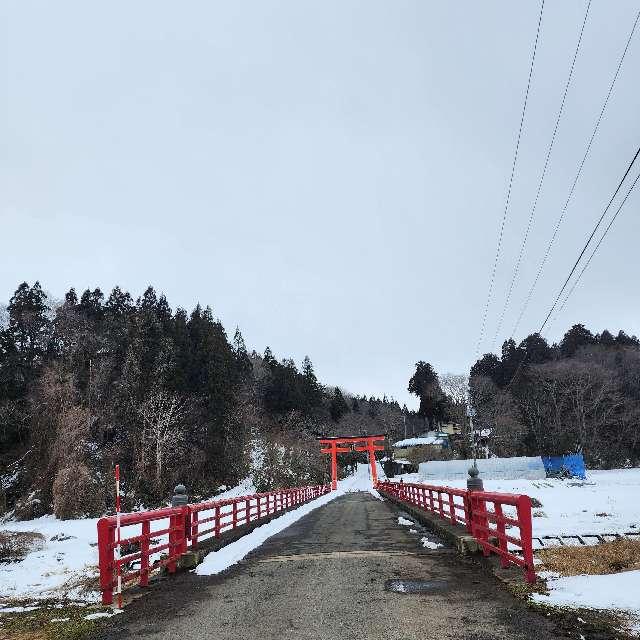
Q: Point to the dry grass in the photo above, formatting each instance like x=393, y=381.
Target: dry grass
x=52, y=621
x=14, y=545
x=609, y=557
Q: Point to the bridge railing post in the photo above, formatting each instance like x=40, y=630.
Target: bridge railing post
x=106, y=558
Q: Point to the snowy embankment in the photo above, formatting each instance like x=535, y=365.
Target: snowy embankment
x=60, y=569
x=614, y=591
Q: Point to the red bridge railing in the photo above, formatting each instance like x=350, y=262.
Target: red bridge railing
x=487, y=517
x=157, y=538
x=489, y=524
x=446, y=502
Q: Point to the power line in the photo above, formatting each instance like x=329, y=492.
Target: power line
x=593, y=233
x=575, y=180
x=588, y=262
x=508, y=197
x=541, y=181
x=582, y=252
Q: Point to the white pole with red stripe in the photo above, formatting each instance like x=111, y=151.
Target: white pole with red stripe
x=118, y=538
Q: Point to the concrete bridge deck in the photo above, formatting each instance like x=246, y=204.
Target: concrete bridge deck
x=324, y=578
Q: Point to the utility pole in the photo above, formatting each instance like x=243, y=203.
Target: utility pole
x=474, y=481
x=89, y=396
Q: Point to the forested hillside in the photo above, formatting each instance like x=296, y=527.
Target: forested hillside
x=97, y=380
x=581, y=395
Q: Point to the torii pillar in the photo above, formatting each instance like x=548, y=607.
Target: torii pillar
x=371, y=449
x=334, y=450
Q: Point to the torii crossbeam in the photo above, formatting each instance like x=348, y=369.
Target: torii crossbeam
x=368, y=444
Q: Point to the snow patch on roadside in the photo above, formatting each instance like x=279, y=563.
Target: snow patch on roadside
x=231, y=554
x=616, y=591
x=218, y=561
x=428, y=544
x=103, y=614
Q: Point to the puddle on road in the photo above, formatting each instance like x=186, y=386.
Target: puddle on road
x=415, y=586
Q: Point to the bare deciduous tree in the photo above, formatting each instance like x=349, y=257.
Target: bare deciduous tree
x=456, y=387
x=162, y=414
x=570, y=405
x=498, y=412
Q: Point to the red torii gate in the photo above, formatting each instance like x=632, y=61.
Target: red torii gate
x=334, y=450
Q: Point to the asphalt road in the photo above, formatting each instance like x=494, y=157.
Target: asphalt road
x=324, y=578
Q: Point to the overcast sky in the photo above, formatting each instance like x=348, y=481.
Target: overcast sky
x=329, y=176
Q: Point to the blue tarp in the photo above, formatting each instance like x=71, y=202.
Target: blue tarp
x=574, y=464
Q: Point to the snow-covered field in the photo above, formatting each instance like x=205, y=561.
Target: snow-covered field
x=59, y=568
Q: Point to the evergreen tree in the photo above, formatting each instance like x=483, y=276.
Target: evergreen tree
x=310, y=388
x=268, y=358
x=240, y=354
x=91, y=305
x=283, y=391
x=163, y=313
x=180, y=365
x=338, y=406
x=71, y=297
x=624, y=340
x=119, y=303
x=425, y=384
x=118, y=312
x=535, y=349
x=25, y=343
x=488, y=366
x=578, y=336
x=606, y=339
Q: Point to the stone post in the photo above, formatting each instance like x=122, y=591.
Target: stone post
x=474, y=481
x=180, y=497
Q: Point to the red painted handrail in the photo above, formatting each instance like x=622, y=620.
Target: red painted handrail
x=439, y=500
x=180, y=527
x=481, y=512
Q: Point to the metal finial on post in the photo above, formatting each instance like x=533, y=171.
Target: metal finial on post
x=180, y=497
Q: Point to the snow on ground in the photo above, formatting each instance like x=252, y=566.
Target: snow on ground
x=427, y=439
x=231, y=554
x=429, y=544
x=69, y=557
x=102, y=614
x=617, y=591
x=607, y=502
